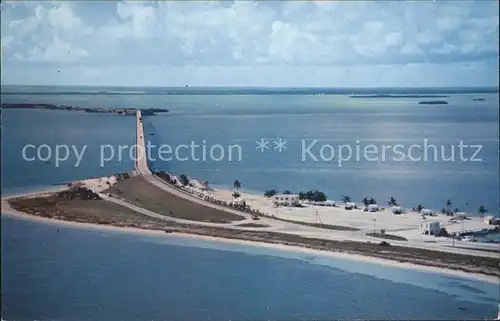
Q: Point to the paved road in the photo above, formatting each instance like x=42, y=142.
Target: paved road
x=141, y=164
x=275, y=225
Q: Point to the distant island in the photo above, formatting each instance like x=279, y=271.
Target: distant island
x=114, y=111
x=478, y=99
x=398, y=96
x=433, y=102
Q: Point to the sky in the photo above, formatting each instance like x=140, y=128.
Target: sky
x=424, y=43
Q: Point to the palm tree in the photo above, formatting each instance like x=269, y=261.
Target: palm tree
x=392, y=202
x=287, y=192
x=448, y=205
x=482, y=210
x=346, y=199
x=365, y=201
x=184, y=180
x=372, y=201
x=270, y=193
x=420, y=207
x=237, y=184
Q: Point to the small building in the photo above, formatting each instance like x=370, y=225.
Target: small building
x=430, y=228
x=350, y=205
x=426, y=211
x=372, y=208
x=329, y=203
x=492, y=220
x=239, y=202
x=397, y=210
x=286, y=199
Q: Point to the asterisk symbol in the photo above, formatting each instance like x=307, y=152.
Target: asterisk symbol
x=262, y=145
x=280, y=145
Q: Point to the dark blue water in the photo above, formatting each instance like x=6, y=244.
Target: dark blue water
x=55, y=273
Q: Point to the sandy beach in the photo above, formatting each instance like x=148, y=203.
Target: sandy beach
x=8, y=210
x=344, y=256
x=405, y=225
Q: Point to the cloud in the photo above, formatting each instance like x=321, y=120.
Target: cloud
x=56, y=51
x=246, y=35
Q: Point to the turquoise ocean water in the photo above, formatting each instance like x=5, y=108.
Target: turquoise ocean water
x=89, y=275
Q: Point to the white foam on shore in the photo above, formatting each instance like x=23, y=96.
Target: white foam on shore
x=210, y=242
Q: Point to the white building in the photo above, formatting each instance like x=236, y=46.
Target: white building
x=426, y=211
x=239, y=202
x=350, y=205
x=430, y=228
x=286, y=199
x=372, y=208
x=492, y=220
x=329, y=203
x=397, y=210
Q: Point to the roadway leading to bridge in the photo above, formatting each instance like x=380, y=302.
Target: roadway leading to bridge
x=141, y=163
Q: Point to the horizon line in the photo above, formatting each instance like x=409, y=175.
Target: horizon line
x=263, y=87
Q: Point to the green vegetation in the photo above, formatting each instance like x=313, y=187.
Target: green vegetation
x=80, y=193
x=324, y=226
x=270, y=193
x=252, y=225
x=315, y=196
x=122, y=176
x=237, y=184
x=287, y=192
x=142, y=193
x=184, y=180
x=443, y=232
x=346, y=199
x=163, y=175
x=236, y=195
x=482, y=210
x=387, y=236
x=419, y=208
x=392, y=201
x=365, y=201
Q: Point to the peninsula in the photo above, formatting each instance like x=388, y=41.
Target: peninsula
x=160, y=202
x=113, y=111
x=398, y=96
x=433, y=102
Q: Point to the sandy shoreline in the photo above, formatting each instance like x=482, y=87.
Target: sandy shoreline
x=297, y=249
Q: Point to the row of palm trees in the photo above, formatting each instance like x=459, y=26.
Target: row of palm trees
x=366, y=201
x=393, y=202
x=390, y=202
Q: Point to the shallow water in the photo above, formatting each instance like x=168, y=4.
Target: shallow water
x=60, y=273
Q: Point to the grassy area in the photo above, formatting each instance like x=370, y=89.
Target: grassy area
x=103, y=212
x=87, y=211
x=138, y=191
x=387, y=236
x=252, y=225
x=324, y=226
x=476, y=249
